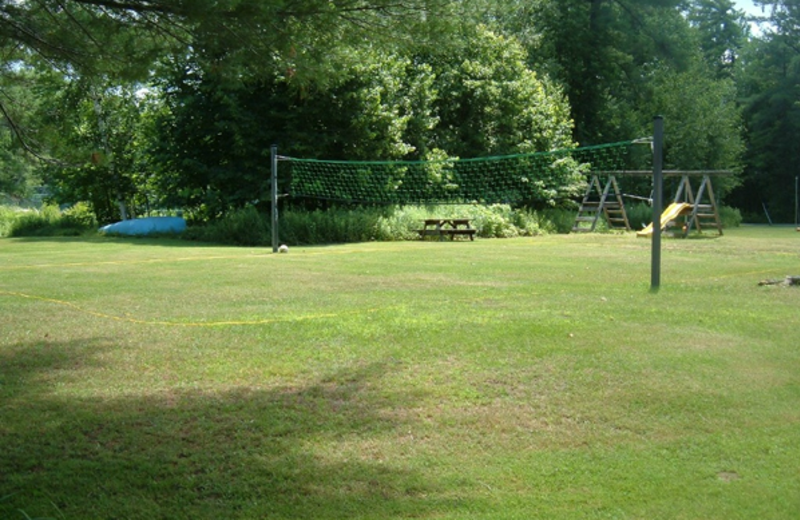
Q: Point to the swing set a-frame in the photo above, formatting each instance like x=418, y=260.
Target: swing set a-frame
x=688, y=210
x=606, y=202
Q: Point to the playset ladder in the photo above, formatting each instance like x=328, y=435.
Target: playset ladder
x=598, y=202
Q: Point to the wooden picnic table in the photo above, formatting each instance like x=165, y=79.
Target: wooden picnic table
x=443, y=227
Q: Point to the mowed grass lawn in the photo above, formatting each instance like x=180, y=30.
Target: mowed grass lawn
x=521, y=378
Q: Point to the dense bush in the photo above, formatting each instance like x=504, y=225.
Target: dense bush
x=332, y=226
x=342, y=225
x=8, y=215
x=247, y=227
x=730, y=217
x=244, y=227
x=402, y=223
x=50, y=221
x=640, y=215
x=558, y=220
x=80, y=215
x=494, y=221
x=207, y=141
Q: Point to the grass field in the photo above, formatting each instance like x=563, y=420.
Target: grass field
x=503, y=379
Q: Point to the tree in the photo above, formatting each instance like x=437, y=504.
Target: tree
x=770, y=86
x=473, y=97
x=490, y=103
x=96, y=126
x=599, y=50
x=127, y=35
x=703, y=121
x=107, y=46
x=721, y=30
x=118, y=41
x=17, y=168
x=620, y=64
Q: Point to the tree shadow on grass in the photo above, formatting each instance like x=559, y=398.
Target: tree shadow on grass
x=242, y=453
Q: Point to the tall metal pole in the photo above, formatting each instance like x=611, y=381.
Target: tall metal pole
x=658, y=201
x=274, y=189
x=796, y=204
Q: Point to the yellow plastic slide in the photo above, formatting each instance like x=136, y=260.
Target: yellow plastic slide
x=671, y=213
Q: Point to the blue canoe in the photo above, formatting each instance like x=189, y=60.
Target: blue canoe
x=145, y=226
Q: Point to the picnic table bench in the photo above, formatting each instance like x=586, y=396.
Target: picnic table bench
x=444, y=227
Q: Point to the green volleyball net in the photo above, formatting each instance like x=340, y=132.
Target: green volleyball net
x=543, y=177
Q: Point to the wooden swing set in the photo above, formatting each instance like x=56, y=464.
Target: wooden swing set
x=689, y=209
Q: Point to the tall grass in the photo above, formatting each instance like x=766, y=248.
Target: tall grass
x=348, y=225
x=248, y=227
x=244, y=227
x=47, y=221
x=8, y=215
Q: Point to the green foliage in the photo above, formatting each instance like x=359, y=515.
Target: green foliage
x=702, y=121
x=83, y=36
x=490, y=103
x=599, y=51
x=247, y=227
x=8, y=216
x=18, y=175
x=96, y=130
x=80, y=215
x=730, y=217
x=330, y=226
x=441, y=80
x=242, y=227
x=558, y=220
x=123, y=39
x=92, y=121
x=333, y=225
x=640, y=215
x=721, y=33
x=50, y=221
x=547, y=179
x=210, y=145
x=621, y=63
x=502, y=221
x=769, y=83
x=402, y=223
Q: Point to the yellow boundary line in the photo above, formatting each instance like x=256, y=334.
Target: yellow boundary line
x=229, y=323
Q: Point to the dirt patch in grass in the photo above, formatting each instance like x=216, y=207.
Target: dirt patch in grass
x=728, y=476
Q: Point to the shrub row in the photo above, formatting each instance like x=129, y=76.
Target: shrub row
x=48, y=221
x=248, y=227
